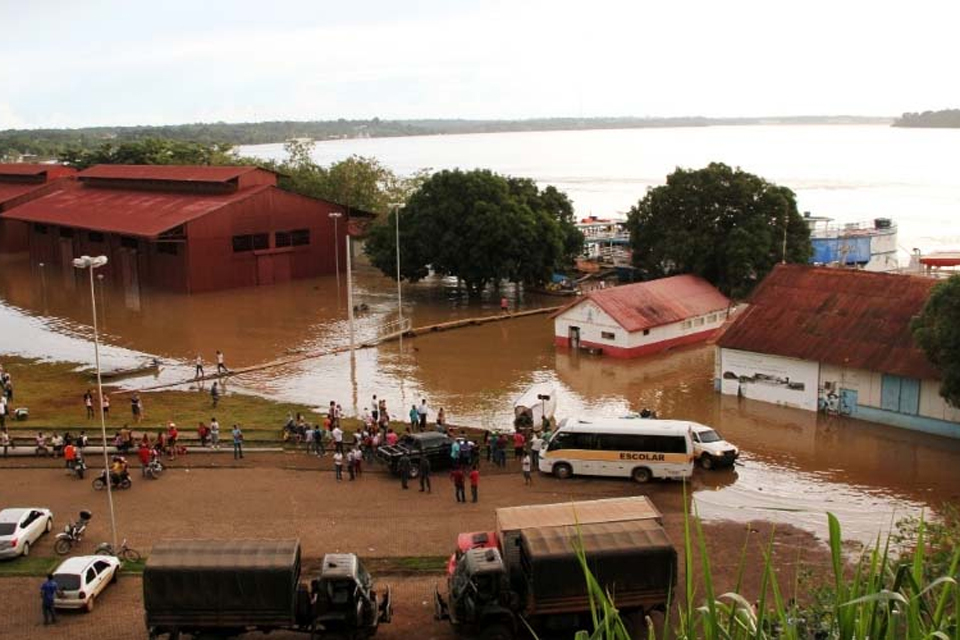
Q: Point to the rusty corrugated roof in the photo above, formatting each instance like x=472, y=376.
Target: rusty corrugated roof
x=124, y=211
x=645, y=305
x=167, y=172
x=11, y=190
x=34, y=169
x=855, y=319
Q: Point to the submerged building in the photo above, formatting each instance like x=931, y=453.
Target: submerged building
x=836, y=340
x=21, y=183
x=185, y=228
x=642, y=318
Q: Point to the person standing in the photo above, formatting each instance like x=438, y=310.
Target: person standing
x=403, y=466
x=414, y=417
x=351, y=465
x=518, y=442
x=214, y=433
x=474, y=483
x=221, y=367
x=536, y=444
x=215, y=394
x=143, y=453
x=424, y=474
x=338, y=464
x=135, y=407
x=337, y=437
x=458, y=484
x=3, y=411
x=525, y=465
x=375, y=409
x=504, y=305
x=441, y=421
x=422, y=411
x=88, y=403
x=48, y=595
x=237, y=442
x=4, y=440
x=198, y=372
x=105, y=404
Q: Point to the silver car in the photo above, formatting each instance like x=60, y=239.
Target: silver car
x=21, y=528
x=82, y=579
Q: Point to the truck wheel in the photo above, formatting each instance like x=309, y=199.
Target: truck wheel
x=497, y=632
x=706, y=461
x=563, y=471
x=642, y=475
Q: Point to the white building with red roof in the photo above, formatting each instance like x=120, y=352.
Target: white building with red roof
x=642, y=318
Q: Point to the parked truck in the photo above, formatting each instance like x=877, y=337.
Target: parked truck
x=534, y=573
x=227, y=588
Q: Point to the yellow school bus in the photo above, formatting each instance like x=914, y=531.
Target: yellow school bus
x=620, y=447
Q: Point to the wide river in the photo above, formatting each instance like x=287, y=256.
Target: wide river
x=795, y=465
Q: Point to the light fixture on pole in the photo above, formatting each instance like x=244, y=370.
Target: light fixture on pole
x=86, y=262
x=336, y=215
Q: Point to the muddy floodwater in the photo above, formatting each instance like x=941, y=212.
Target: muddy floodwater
x=795, y=465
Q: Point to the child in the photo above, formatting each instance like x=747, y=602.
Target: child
x=526, y=465
x=338, y=464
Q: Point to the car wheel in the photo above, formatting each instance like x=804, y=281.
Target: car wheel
x=706, y=461
x=641, y=475
x=562, y=471
x=26, y=549
x=49, y=524
x=90, y=603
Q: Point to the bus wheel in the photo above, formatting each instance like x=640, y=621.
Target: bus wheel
x=642, y=475
x=562, y=471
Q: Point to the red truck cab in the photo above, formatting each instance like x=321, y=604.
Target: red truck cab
x=467, y=541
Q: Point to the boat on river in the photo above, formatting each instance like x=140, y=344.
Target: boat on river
x=537, y=401
x=147, y=366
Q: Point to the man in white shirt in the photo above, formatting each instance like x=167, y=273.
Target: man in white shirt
x=338, y=439
x=536, y=444
x=422, y=412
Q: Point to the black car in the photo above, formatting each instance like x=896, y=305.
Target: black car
x=432, y=444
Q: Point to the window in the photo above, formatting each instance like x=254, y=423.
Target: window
x=40, y=228
x=129, y=243
x=91, y=576
x=646, y=332
x=281, y=239
x=95, y=236
x=567, y=440
x=643, y=442
x=168, y=248
x=300, y=237
x=101, y=566
x=900, y=394
x=608, y=335
x=698, y=322
x=65, y=232
x=687, y=324
x=254, y=242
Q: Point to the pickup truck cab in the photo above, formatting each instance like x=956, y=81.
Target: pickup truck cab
x=432, y=444
x=710, y=449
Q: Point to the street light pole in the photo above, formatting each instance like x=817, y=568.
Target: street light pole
x=336, y=215
x=396, y=214
x=86, y=262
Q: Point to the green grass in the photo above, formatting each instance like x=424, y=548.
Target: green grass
x=29, y=566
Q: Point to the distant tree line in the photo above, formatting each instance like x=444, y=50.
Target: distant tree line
x=945, y=119
x=46, y=144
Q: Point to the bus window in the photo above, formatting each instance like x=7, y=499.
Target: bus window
x=567, y=440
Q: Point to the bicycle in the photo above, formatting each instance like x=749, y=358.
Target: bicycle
x=125, y=552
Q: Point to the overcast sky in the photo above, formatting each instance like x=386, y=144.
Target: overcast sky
x=111, y=62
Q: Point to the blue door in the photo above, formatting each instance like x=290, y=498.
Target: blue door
x=910, y=396
x=890, y=393
x=848, y=402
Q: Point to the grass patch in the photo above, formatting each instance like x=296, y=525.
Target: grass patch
x=53, y=392
x=29, y=566
x=406, y=564
x=135, y=568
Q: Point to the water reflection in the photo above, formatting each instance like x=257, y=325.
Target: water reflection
x=795, y=464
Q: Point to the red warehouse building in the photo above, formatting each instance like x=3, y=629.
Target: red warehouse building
x=185, y=228
x=20, y=183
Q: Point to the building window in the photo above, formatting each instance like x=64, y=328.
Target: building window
x=712, y=318
x=698, y=322
x=608, y=335
x=40, y=228
x=254, y=242
x=281, y=239
x=646, y=332
x=300, y=237
x=168, y=248
x=129, y=243
x=900, y=394
x=65, y=232
x=95, y=236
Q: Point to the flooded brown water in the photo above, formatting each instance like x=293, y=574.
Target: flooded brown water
x=795, y=465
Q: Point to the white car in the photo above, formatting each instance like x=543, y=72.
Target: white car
x=711, y=450
x=21, y=528
x=82, y=579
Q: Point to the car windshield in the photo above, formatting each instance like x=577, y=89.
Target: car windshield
x=709, y=436
x=7, y=528
x=67, y=581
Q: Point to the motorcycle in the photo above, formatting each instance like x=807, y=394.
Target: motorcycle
x=123, y=482
x=79, y=467
x=154, y=469
x=72, y=534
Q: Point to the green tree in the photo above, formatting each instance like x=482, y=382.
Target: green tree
x=149, y=151
x=725, y=225
x=937, y=331
x=476, y=225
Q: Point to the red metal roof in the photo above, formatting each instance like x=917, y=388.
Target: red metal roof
x=645, y=305
x=169, y=172
x=124, y=211
x=34, y=169
x=855, y=319
x=11, y=190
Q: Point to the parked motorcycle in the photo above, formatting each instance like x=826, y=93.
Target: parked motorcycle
x=124, y=482
x=79, y=466
x=72, y=534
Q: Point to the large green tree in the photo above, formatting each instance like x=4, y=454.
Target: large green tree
x=478, y=226
x=937, y=331
x=725, y=225
x=148, y=151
